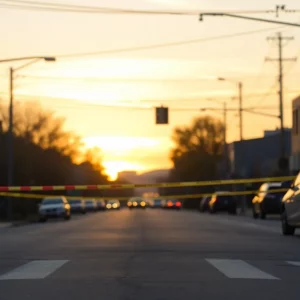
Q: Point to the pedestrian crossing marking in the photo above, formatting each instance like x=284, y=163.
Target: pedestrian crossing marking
x=36, y=269
x=239, y=269
x=294, y=263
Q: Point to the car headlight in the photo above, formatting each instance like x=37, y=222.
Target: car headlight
x=108, y=206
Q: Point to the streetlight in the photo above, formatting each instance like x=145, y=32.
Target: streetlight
x=240, y=89
x=10, y=163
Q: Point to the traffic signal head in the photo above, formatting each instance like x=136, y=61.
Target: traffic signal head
x=162, y=115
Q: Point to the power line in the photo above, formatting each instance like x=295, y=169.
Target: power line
x=80, y=105
x=165, y=45
x=48, y=6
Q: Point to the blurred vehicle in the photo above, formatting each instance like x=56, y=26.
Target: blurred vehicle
x=267, y=200
x=101, y=205
x=221, y=202
x=136, y=203
x=290, y=207
x=54, y=207
x=172, y=204
x=204, y=204
x=113, y=204
x=77, y=206
x=91, y=205
x=156, y=203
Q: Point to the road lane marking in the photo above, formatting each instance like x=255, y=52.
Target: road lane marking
x=239, y=269
x=294, y=263
x=36, y=269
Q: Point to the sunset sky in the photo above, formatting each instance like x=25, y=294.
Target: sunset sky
x=108, y=98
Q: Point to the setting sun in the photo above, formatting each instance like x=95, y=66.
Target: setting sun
x=122, y=153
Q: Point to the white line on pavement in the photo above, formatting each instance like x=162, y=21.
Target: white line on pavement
x=238, y=269
x=36, y=269
x=294, y=263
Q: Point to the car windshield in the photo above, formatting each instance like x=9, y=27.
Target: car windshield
x=75, y=201
x=52, y=201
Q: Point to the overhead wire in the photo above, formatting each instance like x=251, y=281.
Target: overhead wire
x=51, y=6
x=165, y=45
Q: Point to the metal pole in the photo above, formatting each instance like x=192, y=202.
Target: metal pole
x=241, y=109
x=10, y=162
x=225, y=123
x=281, y=97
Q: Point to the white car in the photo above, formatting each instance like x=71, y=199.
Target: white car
x=54, y=207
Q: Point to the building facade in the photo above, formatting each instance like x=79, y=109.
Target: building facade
x=295, y=156
x=258, y=157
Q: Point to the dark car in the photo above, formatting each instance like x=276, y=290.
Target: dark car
x=173, y=204
x=77, y=206
x=267, y=200
x=221, y=202
x=101, y=205
x=204, y=204
x=136, y=203
x=156, y=203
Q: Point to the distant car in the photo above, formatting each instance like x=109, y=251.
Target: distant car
x=136, y=203
x=113, y=204
x=290, y=207
x=156, y=203
x=173, y=204
x=77, y=206
x=101, y=205
x=204, y=204
x=267, y=200
x=91, y=205
x=221, y=202
x=54, y=207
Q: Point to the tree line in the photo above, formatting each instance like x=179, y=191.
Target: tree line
x=199, y=155
x=45, y=153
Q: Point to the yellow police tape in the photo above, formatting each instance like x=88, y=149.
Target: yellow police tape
x=189, y=196
x=115, y=186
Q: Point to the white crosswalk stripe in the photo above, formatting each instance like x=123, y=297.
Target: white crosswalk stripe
x=231, y=268
x=239, y=269
x=36, y=269
x=294, y=263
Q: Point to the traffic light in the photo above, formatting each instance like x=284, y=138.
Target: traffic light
x=162, y=115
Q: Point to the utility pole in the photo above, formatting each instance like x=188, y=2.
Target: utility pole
x=10, y=128
x=10, y=144
x=279, y=38
x=225, y=124
x=241, y=109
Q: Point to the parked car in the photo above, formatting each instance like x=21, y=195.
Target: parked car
x=173, y=204
x=267, y=200
x=77, y=206
x=101, y=205
x=156, y=203
x=54, y=207
x=222, y=202
x=290, y=207
x=136, y=202
x=91, y=205
x=204, y=204
x=113, y=204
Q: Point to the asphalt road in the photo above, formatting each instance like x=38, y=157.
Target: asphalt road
x=149, y=255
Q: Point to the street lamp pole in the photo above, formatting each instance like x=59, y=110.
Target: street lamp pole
x=10, y=144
